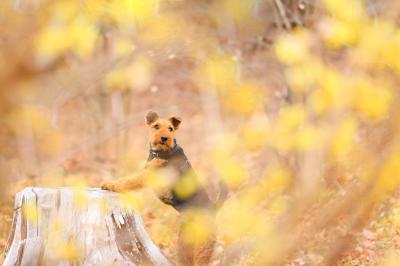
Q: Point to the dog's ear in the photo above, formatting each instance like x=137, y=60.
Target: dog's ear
x=175, y=121
x=151, y=117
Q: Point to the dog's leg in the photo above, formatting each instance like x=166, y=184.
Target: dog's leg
x=196, y=254
x=134, y=181
x=126, y=183
x=203, y=253
x=184, y=250
x=156, y=163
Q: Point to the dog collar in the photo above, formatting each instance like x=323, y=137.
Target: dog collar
x=164, y=154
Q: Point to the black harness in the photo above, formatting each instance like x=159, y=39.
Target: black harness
x=177, y=159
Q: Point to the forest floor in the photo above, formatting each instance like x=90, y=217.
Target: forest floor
x=379, y=237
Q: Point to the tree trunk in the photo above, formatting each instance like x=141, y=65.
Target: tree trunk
x=68, y=227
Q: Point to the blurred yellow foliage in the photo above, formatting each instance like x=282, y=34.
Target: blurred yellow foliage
x=31, y=212
x=338, y=33
x=378, y=46
x=138, y=75
x=309, y=138
x=240, y=11
x=256, y=133
x=279, y=206
x=156, y=181
x=389, y=177
x=197, y=226
x=68, y=251
x=133, y=12
x=371, y=101
x=291, y=117
x=302, y=77
x=333, y=95
x=186, y=186
x=245, y=98
x=232, y=172
x=351, y=11
x=123, y=46
x=344, y=138
x=287, y=129
x=162, y=30
x=57, y=39
x=52, y=142
x=240, y=220
x=219, y=71
x=132, y=200
x=392, y=258
x=80, y=199
x=29, y=119
x=276, y=180
x=293, y=48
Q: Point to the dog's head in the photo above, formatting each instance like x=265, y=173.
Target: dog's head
x=162, y=131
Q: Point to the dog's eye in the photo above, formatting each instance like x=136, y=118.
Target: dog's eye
x=157, y=127
x=170, y=129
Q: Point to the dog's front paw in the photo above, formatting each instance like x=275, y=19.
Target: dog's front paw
x=112, y=186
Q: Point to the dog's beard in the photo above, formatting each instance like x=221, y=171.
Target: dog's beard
x=161, y=147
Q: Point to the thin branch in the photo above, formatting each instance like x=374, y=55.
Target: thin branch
x=282, y=14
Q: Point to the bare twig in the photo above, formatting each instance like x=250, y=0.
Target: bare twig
x=282, y=14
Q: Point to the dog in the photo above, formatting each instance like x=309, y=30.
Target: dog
x=165, y=153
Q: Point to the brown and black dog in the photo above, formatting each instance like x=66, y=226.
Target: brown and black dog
x=165, y=153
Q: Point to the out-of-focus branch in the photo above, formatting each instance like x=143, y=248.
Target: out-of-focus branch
x=282, y=13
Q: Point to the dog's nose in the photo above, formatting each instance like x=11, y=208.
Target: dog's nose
x=164, y=138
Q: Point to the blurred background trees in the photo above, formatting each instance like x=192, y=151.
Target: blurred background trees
x=291, y=102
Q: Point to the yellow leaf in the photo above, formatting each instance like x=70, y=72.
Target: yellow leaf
x=337, y=33
x=239, y=10
x=303, y=76
x=68, y=251
x=29, y=118
x=197, y=227
x=52, y=142
x=186, y=186
x=372, y=102
x=344, y=139
x=389, y=177
x=80, y=199
x=31, y=212
x=65, y=10
x=132, y=200
x=332, y=94
x=136, y=12
x=138, y=75
x=84, y=36
x=156, y=181
x=237, y=220
x=308, y=138
x=219, y=71
x=123, y=46
x=291, y=117
x=245, y=98
x=232, y=172
x=277, y=179
x=162, y=30
x=255, y=134
x=348, y=10
x=392, y=258
x=53, y=41
x=293, y=48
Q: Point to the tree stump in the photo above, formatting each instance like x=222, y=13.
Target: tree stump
x=50, y=229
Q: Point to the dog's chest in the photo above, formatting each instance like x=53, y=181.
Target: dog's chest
x=178, y=162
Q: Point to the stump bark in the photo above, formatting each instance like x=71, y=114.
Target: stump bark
x=57, y=232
